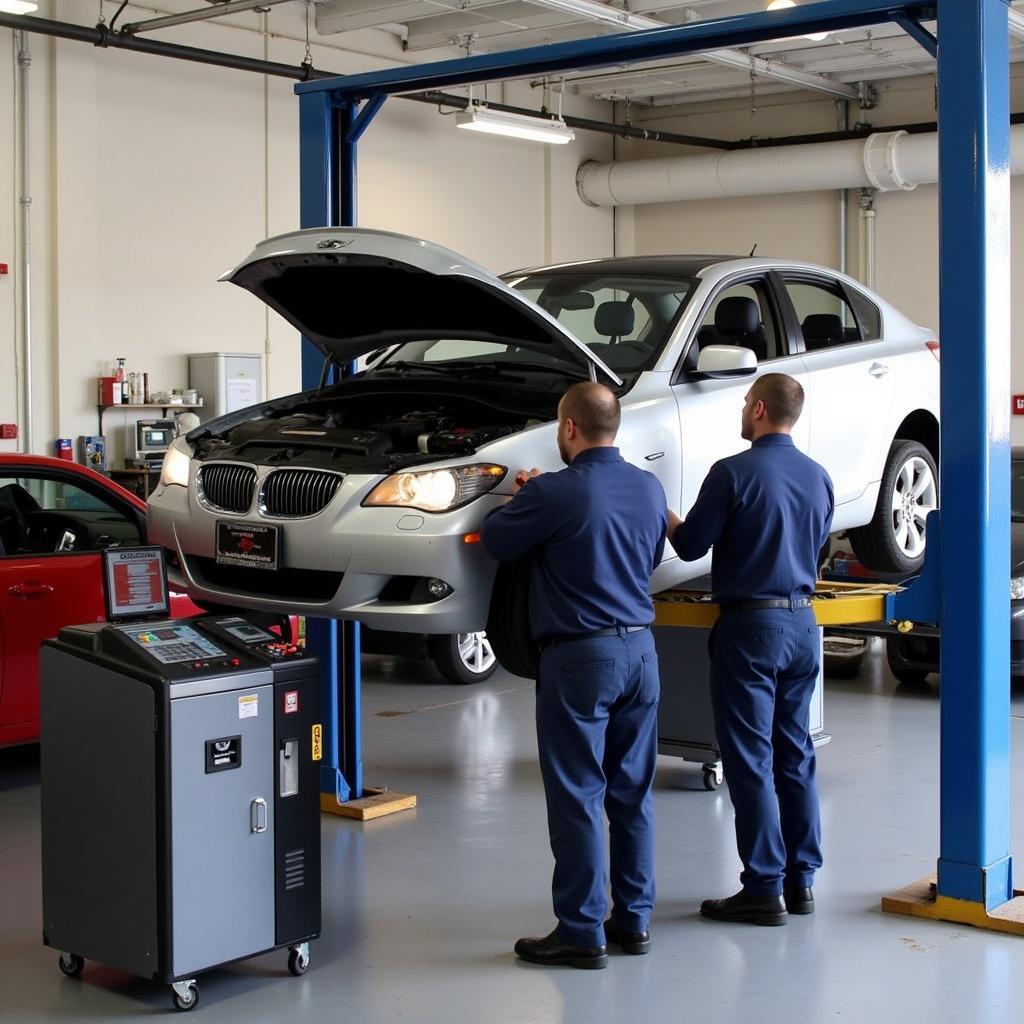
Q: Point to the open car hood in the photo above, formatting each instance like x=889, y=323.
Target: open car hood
x=351, y=291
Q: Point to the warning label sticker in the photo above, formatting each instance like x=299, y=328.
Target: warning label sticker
x=249, y=706
x=291, y=702
x=318, y=742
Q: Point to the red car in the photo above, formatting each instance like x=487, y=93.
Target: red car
x=55, y=518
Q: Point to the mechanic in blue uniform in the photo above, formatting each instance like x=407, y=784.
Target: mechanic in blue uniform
x=594, y=533
x=767, y=512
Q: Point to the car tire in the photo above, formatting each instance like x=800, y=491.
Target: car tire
x=463, y=657
x=893, y=542
x=508, y=624
x=904, y=673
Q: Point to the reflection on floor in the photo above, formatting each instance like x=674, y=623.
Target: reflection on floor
x=421, y=909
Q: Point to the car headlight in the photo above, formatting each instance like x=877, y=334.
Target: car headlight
x=175, y=465
x=1017, y=588
x=436, y=490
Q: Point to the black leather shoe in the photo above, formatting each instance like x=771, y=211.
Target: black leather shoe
x=744, y=909
x=635, y=943
x=799, y=899
x=551, y=951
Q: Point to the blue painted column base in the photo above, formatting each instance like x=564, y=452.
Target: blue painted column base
x=990, y=886
x=336, y=644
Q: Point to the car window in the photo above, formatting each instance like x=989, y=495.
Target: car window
x=826, y=318
x=624, y=319
x=741, y=315
x=42, y=514
x=440, y=351
x=869, y=316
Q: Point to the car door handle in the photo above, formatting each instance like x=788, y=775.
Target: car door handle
x=30, y=589
x=878, y=369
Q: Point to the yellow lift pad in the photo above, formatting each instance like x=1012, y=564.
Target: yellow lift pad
x=834, y=604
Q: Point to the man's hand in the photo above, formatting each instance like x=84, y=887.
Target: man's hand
x=673, y=522
x=523, y=475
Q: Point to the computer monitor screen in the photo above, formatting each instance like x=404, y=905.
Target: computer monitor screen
x=136, y=582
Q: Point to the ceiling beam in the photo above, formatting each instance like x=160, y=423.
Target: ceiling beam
x=1016, y=24
x=595, y=10
x=217, y=10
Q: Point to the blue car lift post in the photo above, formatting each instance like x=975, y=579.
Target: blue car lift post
x=327, y=185
x=964, y=587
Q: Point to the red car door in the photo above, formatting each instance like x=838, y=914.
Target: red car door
x=38, y=597
x=54, y=520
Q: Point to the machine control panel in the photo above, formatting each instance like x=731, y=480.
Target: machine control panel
x=258, y=640
x=172, y=643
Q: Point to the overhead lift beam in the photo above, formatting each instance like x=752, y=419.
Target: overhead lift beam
x=964, y=586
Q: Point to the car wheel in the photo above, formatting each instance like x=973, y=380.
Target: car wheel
x=893, y=542
x=904, y=672
x=508, y=624
x=464, y=657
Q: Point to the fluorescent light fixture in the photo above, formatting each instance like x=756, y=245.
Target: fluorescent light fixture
x=480, y=118
x=781, y=5
x=18, y=6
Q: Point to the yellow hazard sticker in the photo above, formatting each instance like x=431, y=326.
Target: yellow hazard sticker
x=318, y=742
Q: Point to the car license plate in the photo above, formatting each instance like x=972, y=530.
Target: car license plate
x=248, y=544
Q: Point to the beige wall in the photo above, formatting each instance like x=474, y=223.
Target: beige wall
x=805, y=226
x=151, y=177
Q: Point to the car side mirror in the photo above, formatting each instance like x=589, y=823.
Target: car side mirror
x=723, y=361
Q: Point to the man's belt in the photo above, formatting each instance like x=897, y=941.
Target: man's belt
x=791, y=603
x=563, y=638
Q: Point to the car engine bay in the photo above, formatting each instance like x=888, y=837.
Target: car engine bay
x=367, y=433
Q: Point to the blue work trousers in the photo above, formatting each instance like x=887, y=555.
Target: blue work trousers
x=597, y=735
x=764, y=664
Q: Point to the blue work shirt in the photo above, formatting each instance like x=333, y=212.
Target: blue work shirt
x=596, y=531
x=767, y=512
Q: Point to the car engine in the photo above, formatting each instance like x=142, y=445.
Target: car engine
x=364, y=436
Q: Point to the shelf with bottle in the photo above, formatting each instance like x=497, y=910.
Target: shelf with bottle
x=164, y=407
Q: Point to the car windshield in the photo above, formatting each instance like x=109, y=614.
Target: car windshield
x=624, y=319
x=1017, y=490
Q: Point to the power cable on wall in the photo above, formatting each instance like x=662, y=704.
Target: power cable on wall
x=265, y=18
x=15, y=156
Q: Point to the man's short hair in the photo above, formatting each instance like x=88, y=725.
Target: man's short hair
x=594, y=409
x=783, y=398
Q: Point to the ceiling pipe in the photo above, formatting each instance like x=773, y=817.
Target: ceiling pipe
x=102, y=36
x=886, y=161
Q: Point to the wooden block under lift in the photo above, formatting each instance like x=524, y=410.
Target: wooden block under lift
x=376, y=804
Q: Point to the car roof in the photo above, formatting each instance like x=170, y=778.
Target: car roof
x=677, y=266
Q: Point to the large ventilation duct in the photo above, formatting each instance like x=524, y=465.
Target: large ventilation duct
x=887, y=161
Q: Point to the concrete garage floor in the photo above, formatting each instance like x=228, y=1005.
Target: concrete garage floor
x=421, y=910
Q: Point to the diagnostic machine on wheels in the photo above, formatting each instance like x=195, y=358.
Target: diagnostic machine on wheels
x=180, y=788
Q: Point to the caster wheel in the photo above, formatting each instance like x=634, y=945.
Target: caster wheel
x=71, y=964
x=185, y=997
x=298, y=961
x=712, y=777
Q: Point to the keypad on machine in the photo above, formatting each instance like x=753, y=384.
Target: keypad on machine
x=283, y=650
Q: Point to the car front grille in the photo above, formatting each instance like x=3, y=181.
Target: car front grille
x=295, y=493
x=227, y=486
